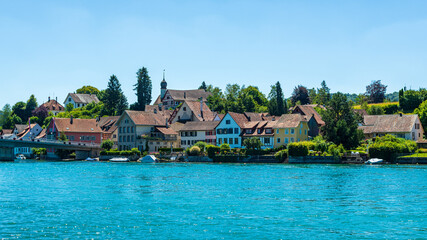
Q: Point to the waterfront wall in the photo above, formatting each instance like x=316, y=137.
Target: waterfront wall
x=314, y=159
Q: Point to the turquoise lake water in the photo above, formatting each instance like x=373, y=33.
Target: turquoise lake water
x=205, y=201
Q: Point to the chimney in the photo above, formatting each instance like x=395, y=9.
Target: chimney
x=201, y=108
x=48, y=99
x=71, y=119
x=185, y=95
x=400, y=114
x=249, y=118
x=56, y=99
x=155, y=111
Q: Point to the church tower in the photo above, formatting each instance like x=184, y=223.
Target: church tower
x=163, y=86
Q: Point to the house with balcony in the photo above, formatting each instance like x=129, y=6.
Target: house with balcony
x=193, y=132
x=230, y=128
x=260, y=129
x=290, y=128
x=147, y=131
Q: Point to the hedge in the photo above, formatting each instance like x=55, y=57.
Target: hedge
x=212, y=150
x=388, y=147
x=281, y=155
x=169, y=149
x=298, y=149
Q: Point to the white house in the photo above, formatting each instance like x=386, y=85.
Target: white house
x=80, y=100
x=192, y=111
x=22, y=131
x=192, y=132
x=399, y=125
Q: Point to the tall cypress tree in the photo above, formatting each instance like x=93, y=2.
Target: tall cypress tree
x=115, y=101
x=280, y=104
x=143, y=89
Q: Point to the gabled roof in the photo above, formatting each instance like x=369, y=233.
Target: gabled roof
x=166, y=131
x=155, y=108
x=289, y=121
x=254, y=116
x=77, y=125
x=309, y=110
x=52, y=105
x=239, y=118
x=108, y=124
x=195, y=107
x=20, y=127
x=157, y=101
x=82, y=98
x=200, y=126
x=42, y=134
x=145, y=118
x=6, y=131
x=191, y=95
x=26, y=129
x=388, y=123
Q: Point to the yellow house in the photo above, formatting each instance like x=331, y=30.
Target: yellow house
x=290, y=128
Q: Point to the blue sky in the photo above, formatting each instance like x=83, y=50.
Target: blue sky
x=50, y=48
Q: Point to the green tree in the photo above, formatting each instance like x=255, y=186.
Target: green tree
x=375, y=110
x=11, y=121
x=6, y=112
x=62, y=137
x=276, y=105
x=143, y=89
x=409, y=100
x=323, y=94
x=69, y=107
x=19, y=109
x=107, y=144
x=376, y=91
x=300, y=94
x=88, y=90
x=30, y=106
x=203, y=86
x=251, y=99
x=216, y=100
x=341, y=122
x=114, y=100
x=422, y=114
x=253, y=143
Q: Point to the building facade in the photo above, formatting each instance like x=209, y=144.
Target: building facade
x=290, y=128
x=193, y=132
x=80, y=100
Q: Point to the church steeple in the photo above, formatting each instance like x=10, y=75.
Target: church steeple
x=163, y=86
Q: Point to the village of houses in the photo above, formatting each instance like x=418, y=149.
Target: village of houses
x=181, y=118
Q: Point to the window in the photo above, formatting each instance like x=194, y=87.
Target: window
x=277, y=131
x=128, y=130
x=132, y=138
x=305, y=131
x=300, y=132
x=78, y=105
x=292, y=139
x=227, y=121
x=268, y=131
x=236, y=131
x=278, y=140
x=301, y=125
x=191, y=133
x=266, y=140
x=286, y=131
x=298, y=140
x=292, y=131
x=131, y=129
x=286, y=140
x=230, y=141
x=225, y=140
x=249, y=131
x=120, y=138
x=195, y=134
x=236, y=141
x=259, y=130
x=69, y=99
x=71, y=138
x=182, y=142
x=120, y=129
x=219, y=141
x=128, y=139
x=184, y=108
x=93, y=138
x=230, y=131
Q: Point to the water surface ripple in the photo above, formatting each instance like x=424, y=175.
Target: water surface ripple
x=205, y=201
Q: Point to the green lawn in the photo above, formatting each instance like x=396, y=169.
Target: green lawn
x=417, y=155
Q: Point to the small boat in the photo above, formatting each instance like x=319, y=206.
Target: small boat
x=20, y=157
x=148, y=159
x=91, y=159
x=119, y=159
x=374, y=161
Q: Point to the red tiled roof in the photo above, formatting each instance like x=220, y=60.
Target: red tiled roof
x=108, y=124
x=200, y=126
x=166, y=131
x=289, y=120
x=239, y=118
x=78, y=125
x=146, y=118
x=6, y=131
x=309, y=110
x=191, y=95
x=194, y=106
x=52, y=105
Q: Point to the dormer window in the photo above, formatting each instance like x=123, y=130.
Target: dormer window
x=259, y=131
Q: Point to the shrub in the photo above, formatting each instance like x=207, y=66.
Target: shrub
x=389, y=146
x=125, y=153
x=391, y=108
x=422, y=150
x=281, y=155
x=107, y=144
x=168, y=150
x=194, y=151
x=135, y=151
x=212, y=150
x=335, y=150
x=224, y=148
x=298, y=149
x=201, y=145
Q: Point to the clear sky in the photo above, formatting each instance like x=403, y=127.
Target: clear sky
x=50, y=48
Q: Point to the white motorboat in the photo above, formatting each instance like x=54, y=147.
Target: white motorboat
x=20, y=157
x=119, y=159
x=91, y=159
x=374, y=161
x=148, y=159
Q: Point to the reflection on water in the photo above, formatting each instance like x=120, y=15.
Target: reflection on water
x=188, y=201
